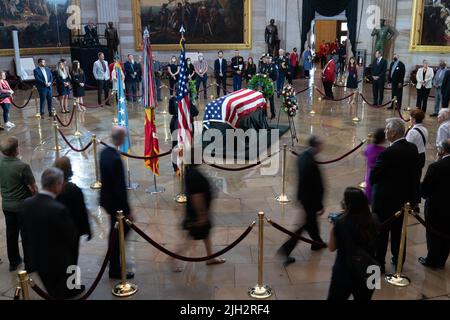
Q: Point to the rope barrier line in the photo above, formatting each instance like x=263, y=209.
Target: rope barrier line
x=140, y=157
x=303, y=90
x=340, y=99
x=341, y=86
x=376, y=106
x=26, y=103
x=189, y=259
x=388, y=221
x=292, y=234
x=233, y=169
x=400, y=113
x=429, y=228
x=70, y=121
x=98, y=105
x=404, y=85
x=71, y=146
x=337, y=159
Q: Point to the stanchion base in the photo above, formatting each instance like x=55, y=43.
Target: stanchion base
x=157, y=190
x=282, y=198
x=181, y=198
x=133, y=186
x=96, y=185
x=356, y=119
x=397, y=280
x=162, y=112
x=124, y=289
x=57, y=148
x=258, y=292
x=407, y=109
x=312, y=112
x=77, y=134
x=37, y=115
x=362, y=185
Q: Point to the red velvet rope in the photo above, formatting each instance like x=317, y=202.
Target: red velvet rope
x=233, y=169
x=140, y=157
x=303, y=90
x=189, y=259
x=390, y=88
x=70, y=121
x=292, y=234
x=26, y=103
x=400, y=114
x=340, y=99
x=375, y=106
x=71, y=146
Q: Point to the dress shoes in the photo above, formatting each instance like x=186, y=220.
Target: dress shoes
x=433, y=115
x=288, y=261
x=423, y=261
x=318, y=247
x=130, y=275
x=272, y=117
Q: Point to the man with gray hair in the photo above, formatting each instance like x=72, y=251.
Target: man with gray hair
x=435, y=191
x=51, y=235
x=437, y=82
x=443, y=132
x=393, y=181
x=113, y=194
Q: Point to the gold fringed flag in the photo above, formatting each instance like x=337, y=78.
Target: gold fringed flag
x=151, y=141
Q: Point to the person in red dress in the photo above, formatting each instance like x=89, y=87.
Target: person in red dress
x=328, y=78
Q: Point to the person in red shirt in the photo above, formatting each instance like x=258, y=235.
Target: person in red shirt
x=294, y=63
x=328, y=78
x=5, y=102
x=323, y=54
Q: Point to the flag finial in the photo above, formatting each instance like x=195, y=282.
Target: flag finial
x=146, y=33
x=182, y=30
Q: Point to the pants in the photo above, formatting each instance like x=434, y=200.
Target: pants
x=323, y=62
x=397, y=92
x=158, y=89
x=131, y=90
x=438, y=248
x=328, y=86
x=438, y=100
x=114, y=260
x=6, y=107
x=172, y=85
x=203, y=80
x=237, y=82
x=306, y=73
x=102, y=85
x=421, y=165
x=310, y=226
x=222, y=82
x=422, y=98
x=378, y=91
x=445, y=100
x=280, y=82
x=342, y=286
x=272, y=107
x=12, y=237
x=45, y=94
x=395, y=231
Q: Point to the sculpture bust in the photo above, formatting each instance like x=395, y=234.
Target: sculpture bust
x=382, y=35
x=271, y=37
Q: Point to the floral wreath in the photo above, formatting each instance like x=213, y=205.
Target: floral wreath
x=192, y=91
x=262, y=81
x=289, y=100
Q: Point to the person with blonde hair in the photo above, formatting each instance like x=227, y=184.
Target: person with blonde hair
x=63, y=87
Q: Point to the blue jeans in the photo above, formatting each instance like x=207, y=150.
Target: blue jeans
x=280, y=82
x=237, y=82
x=438, y=100
x=45, y=94
x=203, y=80
x=5, y=107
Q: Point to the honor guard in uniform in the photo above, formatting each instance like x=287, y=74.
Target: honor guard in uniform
x=282, y=65
x=237, y=65
x=268, y=68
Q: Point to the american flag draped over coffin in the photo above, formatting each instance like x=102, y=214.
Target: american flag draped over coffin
x=233, y=107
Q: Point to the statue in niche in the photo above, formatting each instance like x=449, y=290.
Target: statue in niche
x=271, y=37
x=382, y=36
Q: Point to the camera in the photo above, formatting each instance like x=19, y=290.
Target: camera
x=333, y=217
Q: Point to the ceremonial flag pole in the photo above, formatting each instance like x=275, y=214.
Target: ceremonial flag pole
x=150, y=103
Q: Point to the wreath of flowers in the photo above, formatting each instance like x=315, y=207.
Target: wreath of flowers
x=289, y=99
x=192, y=91
x=261, y=82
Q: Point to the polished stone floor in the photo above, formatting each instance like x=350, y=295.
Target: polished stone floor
x=241, y=195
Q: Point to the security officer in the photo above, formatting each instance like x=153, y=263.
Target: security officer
x=268, y=68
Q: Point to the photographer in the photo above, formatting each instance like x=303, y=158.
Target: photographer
x=353, y=236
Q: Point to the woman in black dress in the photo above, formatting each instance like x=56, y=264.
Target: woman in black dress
x=174, y=70
x=72, y=197
x=63, y=87
x=197, y=221
x=78, y=82
x=250, y=69
x=192, y=75
x=353, y=236
x=352, y=78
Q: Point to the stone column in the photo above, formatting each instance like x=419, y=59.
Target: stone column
x=108, y=10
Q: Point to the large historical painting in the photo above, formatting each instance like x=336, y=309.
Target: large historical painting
x=42, y=25
x=209, y=24
x=431, y=26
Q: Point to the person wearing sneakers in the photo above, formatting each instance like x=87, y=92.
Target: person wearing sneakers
x=5, y=99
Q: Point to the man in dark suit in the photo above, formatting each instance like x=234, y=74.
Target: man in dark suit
x=220, y=72
x=44, y=80
x=113, y=194
x=131, y=69
x=435, y=191
x=446, y=90
x=379, y=68
x=310, y=194
x=393, y=184
x=51, y=235
x=396, y=79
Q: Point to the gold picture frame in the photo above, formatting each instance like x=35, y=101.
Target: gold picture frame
x=43, y=50
x=415, y=44
x=246, y=45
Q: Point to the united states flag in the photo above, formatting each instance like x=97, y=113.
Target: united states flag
x=184, y=111
x=231, y=108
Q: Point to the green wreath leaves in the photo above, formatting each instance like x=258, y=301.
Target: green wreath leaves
x=262, y=83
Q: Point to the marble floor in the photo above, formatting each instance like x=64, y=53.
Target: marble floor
x=240, y=197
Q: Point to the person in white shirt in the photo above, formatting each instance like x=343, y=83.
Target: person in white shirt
x=101, y=74
x=201, y=68
x=424, y=84
x=418, y=135
x=443, y=132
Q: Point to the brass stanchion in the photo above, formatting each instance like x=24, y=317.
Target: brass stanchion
x=96, y=184
x=356, y=118
x=77, y=132
x=283, y=198
x=181, y=197
x=23, y=281
x=54, y=113
x=124, y=288
x=38, y=112
x=57, y=147
x=397, y=279
x=312, y=112
x=408, y=108
x=260, y=291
